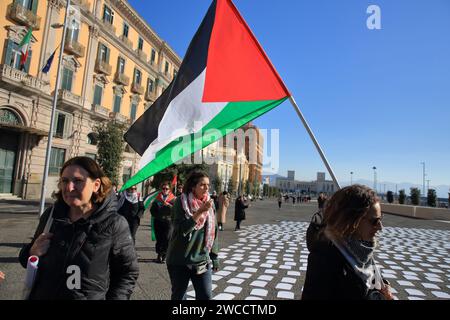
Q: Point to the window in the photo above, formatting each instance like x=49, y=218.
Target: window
x=133, y=111
x=98, y=93
x=153, y=57
x=137, y=76
x=121, y=66
x=57, y=156
x=67, y=78
x=108, y=15
x=26, y=3
x=166, y=69
x=13, y=55
x=140, y=44
x=126, y=28
x=117, y=102
x=62, y=125
x=149, y=85
x=175, y=72
x=126, y=174
x=103, y=53
x=93, y=156
x=74, y=31
x=92, y=138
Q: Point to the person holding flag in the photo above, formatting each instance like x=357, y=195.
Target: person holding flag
x=161, y=214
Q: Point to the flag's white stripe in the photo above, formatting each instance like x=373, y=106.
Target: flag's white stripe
x=185, y=114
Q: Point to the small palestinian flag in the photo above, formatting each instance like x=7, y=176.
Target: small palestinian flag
x=224, y=81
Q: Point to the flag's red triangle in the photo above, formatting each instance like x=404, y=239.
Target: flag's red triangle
x=237, y=68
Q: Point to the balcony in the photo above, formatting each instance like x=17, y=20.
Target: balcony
x=23, y=16
x=137, y=88
x=69, y=101
x=19, y=81
x=121, y=78
x=100, y=112
x=103, y=67
x=150, y=96
x=73, y=47
x=141, y=54
x=118, y=117
x=108, y=26
x=126, y=41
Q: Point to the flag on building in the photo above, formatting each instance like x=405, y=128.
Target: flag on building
x=224, y=81
x=48, y=64
x=24, y=47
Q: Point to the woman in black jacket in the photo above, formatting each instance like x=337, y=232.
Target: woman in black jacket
x=341, y=264
x=88, y=252
x=131, y=206
x=239, y=212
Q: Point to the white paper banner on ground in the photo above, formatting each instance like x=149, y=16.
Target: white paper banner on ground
x=32, y=267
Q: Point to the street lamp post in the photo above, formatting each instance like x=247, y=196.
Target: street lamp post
x=351, y=178
x=52, y=118
x=423, y=166
x=375, y=178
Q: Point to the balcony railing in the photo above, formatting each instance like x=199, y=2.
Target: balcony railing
x=137, y=88
x=126, y=41
x=150, y=95
x=109, y=26
x=103, y=67
x=142, y=55
x=100, y=111
x=118, y=117
x=121, y=78
x=73, y=47
x=70, y=100
x=19, y=79
x=24, y=16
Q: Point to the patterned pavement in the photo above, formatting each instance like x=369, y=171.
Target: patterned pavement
x=269, y=262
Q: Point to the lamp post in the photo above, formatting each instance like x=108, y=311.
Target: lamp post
x=351, y=178
x=423, y=166
x=428, y=185
x=375, y=178
x=52, y=118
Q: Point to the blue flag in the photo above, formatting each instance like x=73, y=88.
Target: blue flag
x=48, y=65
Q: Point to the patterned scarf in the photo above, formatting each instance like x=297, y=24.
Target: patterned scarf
x=359, y=254
x=190, y=205
x=164, y=200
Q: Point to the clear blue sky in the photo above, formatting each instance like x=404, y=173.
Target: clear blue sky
x=372, y=97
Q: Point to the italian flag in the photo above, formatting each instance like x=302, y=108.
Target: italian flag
x=24, y=47
x=224, y=81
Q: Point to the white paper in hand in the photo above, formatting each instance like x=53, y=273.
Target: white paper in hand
x=32, y=267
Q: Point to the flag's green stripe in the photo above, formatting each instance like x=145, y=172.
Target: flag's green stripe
x=26, y=39
x=232, y=117
x=150, y=199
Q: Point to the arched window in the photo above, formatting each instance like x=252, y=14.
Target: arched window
x=9, y=117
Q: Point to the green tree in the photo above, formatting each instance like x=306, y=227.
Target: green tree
x=390, y=196
x=247, y=187
x=431, y=198
x=401, y=196
x=415, y=196
x=110, y=148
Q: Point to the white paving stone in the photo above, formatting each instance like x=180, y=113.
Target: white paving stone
x=415, y=292
x=293, y=273
x=222, y=273
x=259, y=292
x=289, y=280
x=244, y=275
x=258, y=283
x=405, y=283
x=253, y=298
x=430, y=286
x=230, y=268
x=442, y=295
x=271, y=271
x=224, y=296
x=237, y=281
x=284, y=286
x=233, y=289
x=285, y=295
x=265, y=278
x=252, y=270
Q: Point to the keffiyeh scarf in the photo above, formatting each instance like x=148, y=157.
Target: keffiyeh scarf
x=191, y=205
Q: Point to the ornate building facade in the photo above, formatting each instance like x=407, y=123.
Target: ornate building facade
x=114, y=67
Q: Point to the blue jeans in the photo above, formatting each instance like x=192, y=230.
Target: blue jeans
x=180, y=276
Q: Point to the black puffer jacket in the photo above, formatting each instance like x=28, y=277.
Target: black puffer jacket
x=100, y=246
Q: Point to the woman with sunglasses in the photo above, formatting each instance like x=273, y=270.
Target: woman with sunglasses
x=341, y=263
x=87, y=252
x=161, y=212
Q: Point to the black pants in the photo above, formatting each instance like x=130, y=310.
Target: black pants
x=238, y=224
x=162, y=234
x=134, y=223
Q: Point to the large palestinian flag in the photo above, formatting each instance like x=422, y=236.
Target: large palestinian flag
x=224, y=81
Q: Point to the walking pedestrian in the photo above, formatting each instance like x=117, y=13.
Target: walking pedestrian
x=341, y=264
x=193, y=248
x=224, y=202
x=239, y=212
x=179, y=189
x=321, y=201
x=280, y=200
x=161, y=212
x=131, y=207
x=215, y=198
x=85, y=233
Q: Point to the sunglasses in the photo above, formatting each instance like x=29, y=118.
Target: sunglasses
x=165, y=188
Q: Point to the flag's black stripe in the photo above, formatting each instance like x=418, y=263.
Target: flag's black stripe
x=145, y=129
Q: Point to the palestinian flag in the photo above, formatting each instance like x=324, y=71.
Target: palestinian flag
x=224, y=81
x=24, y=47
